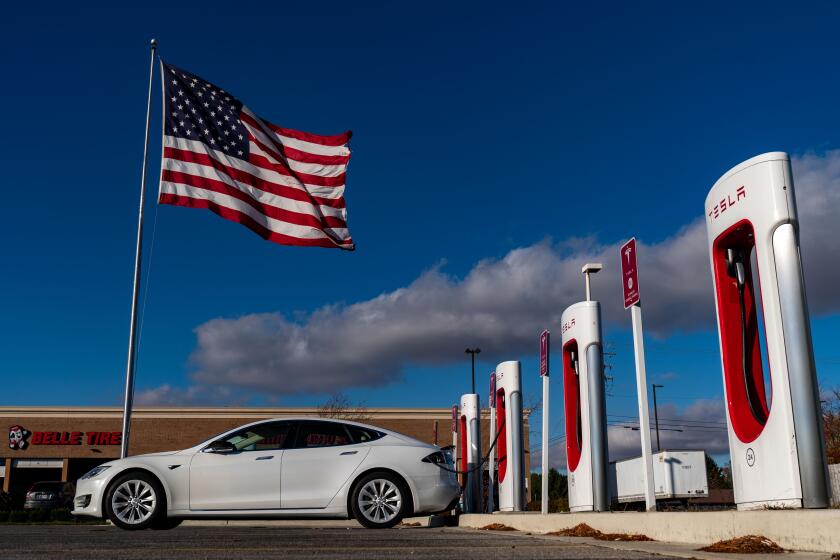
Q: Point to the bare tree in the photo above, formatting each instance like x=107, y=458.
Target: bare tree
x=338, y=406
x=831, y=424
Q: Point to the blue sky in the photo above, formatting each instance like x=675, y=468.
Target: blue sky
x=480, y=130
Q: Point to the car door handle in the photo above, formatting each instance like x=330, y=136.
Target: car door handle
x=264, y=457
x=348, y=452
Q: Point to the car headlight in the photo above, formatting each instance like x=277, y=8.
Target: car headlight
x=95, y=471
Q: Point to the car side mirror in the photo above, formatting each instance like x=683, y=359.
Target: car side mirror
x=222, y=447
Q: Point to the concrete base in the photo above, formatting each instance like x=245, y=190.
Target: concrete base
x=809, y=530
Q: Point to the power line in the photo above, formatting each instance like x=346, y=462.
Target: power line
x=681, y=420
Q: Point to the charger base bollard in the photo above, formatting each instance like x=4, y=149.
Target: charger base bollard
x=585, y=408
x=470, y=431
x=509, y=443
x=770, y=383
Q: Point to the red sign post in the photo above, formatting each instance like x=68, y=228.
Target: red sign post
x=629, y=274
x=544, y=340
x=493, y=390
x=454, y=418
x=544, y=348
x=630, y=286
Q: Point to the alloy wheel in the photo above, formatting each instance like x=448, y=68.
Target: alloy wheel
x=380, y=500
x=133, y=502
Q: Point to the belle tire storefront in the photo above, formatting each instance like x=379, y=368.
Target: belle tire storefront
x=63, y=443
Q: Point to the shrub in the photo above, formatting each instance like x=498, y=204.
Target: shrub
x=6, y=501
x=4, y=516
x=38, y=515
x=18, y=516
x=60, y=514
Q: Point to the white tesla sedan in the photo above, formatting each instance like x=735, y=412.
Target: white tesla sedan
x=290, y=467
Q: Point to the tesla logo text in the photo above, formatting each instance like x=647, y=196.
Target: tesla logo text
x=725, y=204
x=567, y=325
x=17, y=437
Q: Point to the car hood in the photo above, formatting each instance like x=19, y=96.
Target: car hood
x=158, y=454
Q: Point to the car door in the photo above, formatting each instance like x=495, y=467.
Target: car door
x=248, y=477
x=318, y=464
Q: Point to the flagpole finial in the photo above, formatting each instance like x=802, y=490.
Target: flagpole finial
x=154, y=44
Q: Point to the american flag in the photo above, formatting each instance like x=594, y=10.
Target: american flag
x=285, y=185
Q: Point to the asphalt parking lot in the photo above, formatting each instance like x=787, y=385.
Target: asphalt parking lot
x=193, y=542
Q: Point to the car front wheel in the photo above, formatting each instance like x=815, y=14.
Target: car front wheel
x=380, y=500
x=135, y=501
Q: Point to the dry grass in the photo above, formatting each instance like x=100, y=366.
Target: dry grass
x=497, y=527
x=750, y=544
x=584, y=530
x=410, y=524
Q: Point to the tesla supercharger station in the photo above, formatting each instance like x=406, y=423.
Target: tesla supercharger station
x=510, y=443
x=775, y=436
x=585, y=407
x=470, y=432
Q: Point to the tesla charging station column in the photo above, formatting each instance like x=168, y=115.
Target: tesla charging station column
x=470, y=432
x=510, y=443
x=585, y=407
x=775, y=436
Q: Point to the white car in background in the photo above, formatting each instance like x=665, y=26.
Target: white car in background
x=286, y=467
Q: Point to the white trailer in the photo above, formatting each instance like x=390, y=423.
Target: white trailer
x=676, y=475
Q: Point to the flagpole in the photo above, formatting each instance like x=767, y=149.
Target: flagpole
x=132, y=332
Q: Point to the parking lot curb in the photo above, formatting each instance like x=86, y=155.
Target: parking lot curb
x=801, y=530
x=668, y=549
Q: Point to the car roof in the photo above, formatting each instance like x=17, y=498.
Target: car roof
x=318, y=419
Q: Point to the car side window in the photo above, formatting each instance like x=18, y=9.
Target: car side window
x=262, y=437
x=321, y=434
x=363, y=435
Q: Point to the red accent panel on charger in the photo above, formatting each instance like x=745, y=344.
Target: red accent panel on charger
x=501, y=429
x=463, y=445
x=571, y=398
x=747, y=428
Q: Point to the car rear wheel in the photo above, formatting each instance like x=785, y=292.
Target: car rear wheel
x=135, y=501
x=380, y=500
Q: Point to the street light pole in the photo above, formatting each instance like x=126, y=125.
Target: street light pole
x=590, y=268
x=656, y=414
x=473, y=352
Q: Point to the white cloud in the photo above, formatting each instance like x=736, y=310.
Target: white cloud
x=499, y=306
x=167, y=395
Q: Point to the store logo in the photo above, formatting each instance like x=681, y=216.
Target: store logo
x=17, y=437
x=725, y=203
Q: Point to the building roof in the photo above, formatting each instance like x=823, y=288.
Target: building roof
x=223, y=412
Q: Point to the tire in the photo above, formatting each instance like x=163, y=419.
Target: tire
x=380, y=500
x=166, y=523
x=135, y=501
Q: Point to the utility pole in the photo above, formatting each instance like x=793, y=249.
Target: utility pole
x=656, y=413
x=473, y=352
